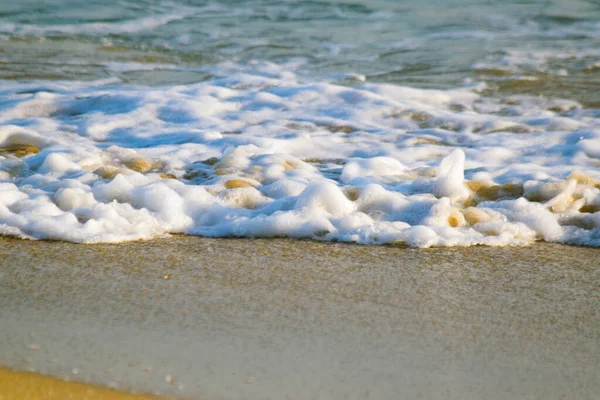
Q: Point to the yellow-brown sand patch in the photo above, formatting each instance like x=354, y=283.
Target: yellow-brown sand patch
x=31, y=386
x=237, y=183
x=19, y=150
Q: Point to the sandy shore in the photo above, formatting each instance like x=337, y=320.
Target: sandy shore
x=274, y=319
x=31, y=386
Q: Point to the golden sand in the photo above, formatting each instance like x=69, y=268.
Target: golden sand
x=27, y=385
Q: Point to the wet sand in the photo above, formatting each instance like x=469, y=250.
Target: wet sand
x=273, y=319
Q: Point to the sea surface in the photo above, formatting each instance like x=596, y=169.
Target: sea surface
x=439, y=123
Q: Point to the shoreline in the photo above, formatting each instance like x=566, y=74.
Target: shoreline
x=194, y=317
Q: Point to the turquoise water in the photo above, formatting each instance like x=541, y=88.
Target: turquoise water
x=431, y=44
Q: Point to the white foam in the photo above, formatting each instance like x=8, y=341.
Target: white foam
x=377, y=167
x=450, y=177
x=260, y=152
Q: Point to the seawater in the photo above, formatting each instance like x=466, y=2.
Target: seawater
x=441, y=123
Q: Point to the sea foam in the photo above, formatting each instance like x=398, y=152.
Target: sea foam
x=260, y=152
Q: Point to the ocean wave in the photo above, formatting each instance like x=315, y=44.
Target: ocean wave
x=540, y=60
x=94, y=28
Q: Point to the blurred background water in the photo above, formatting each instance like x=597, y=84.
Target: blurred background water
x=545, y=48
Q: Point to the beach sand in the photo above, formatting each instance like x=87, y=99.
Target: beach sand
x=27, y=385
x=206, y=318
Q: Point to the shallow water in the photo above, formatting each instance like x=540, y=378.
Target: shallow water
x=437, y=45
x=323, y=119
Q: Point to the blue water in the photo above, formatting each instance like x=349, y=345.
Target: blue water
x=433, y=44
